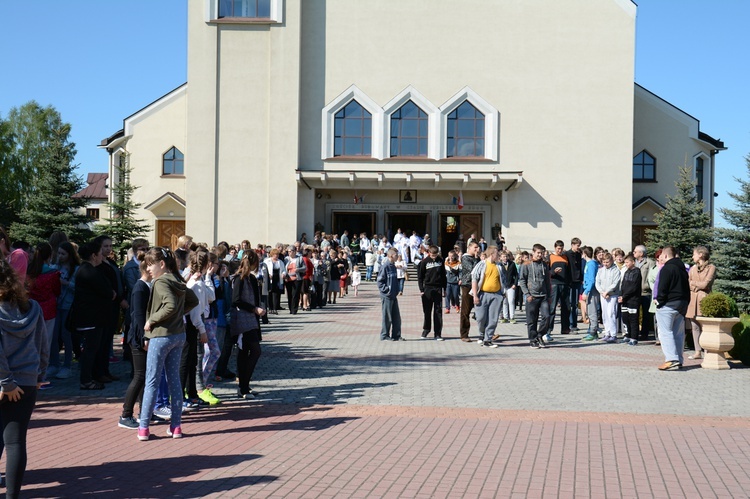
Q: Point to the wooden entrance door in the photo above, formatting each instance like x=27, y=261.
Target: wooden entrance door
x=167, y=232
x=471, y=224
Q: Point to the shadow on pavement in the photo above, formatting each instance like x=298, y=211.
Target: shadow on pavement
x=162, y=477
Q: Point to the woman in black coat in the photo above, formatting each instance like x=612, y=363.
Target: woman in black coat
x=245, y=321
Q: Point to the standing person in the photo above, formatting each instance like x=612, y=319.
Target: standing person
x=630, y=299
x=400, y=273
x=608, y=285
x=672, y=299
x=452, y=272
x=388, y=286
x=200, y=281
x=43, y=283
x=488, y=296
x=344, y=242
x=701, y=280
x=469, y=260
x=24, y=351
x=356, y=279
x=369, y=263
x=224, y=305
x=432, y=281
x=245, y=322
x=170, y=300
x=277, y=272
x=364, y=248
x=89, y=312
x=575, y=262
x=559, y=290
x=509, y=281
x=109, y=269
x=295, y=271
x=307, y=279
x=140, y=292
x=68, y=262
x=337, y=266
x=590, y=296
x=645, y=264
x=535, y=284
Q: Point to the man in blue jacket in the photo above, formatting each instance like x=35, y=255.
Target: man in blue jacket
x=388, y=287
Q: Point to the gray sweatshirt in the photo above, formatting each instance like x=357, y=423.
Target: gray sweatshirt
x=534, y=279
x=24, y=349
x=608, y=280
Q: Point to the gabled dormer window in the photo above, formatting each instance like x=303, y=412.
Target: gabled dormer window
x=352, y=131
x=173, y=162
x=644, y=167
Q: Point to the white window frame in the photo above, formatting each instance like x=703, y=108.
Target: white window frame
x=491, y=122
x=328, y=115
x=433, y=121
x=277, y=13
x=706, y=168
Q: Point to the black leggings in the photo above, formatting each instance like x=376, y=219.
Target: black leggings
x=247, y=359
x=226, y=352
x=93, y=339
x=135, y=389
x=189, y=362
x=15, y=417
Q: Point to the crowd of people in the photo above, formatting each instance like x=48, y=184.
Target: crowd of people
x=182, y=311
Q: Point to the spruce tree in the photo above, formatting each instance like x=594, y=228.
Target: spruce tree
x=733, y=247
x=683, y=223
x=50, y=206
x=123, y=227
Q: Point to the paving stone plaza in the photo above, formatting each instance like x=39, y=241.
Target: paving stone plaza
x=341, y=414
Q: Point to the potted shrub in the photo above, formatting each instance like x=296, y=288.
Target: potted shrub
x=718, y=316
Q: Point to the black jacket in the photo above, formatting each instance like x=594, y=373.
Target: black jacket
x=138, y=310
x=575, y=264
x=674, y=288
x=92, y=302
x=431, y=273
x=630, y=287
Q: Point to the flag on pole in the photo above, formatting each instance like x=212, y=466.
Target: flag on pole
x=460, y=200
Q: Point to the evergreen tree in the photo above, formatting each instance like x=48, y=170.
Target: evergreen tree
x=683, y=223
x=26, y=135
x=51, y=207
x=732, y=256
x=123, y=227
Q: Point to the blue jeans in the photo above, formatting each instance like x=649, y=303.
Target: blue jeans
x=164, y=354
x=451, y=295
x=671, y=333
x=576, y=289
x=368, y=276
x=60, y=329
x=488, y=313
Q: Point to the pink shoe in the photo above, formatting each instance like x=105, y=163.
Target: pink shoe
x=174, y=432
x=143, y=434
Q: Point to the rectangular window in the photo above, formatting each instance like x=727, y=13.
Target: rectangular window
x=260, y=9
x=92, y=213
x=699, y=178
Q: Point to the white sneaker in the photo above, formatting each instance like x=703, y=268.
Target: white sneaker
x=439, y=338
x=480, y=342
x=64, y=373
x=493, y=346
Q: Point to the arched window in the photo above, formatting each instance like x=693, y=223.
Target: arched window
x=409, y=131
x=644, y=167
x=173, y=162
x=465, y=137
x=352, y=131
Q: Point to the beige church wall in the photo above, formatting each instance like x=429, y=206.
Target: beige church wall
x=154, y=132
x=565, y=103
x=665, y=134
x=243, y=123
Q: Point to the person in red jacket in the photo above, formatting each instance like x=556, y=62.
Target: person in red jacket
x=43, y=282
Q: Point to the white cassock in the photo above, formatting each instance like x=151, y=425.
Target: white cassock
x=414, y=243
x=398, y=238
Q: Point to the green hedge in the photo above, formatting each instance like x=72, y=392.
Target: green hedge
x=741, y=333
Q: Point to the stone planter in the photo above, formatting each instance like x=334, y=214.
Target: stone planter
x=716, y=339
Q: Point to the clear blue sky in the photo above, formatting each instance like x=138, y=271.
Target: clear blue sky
x=99, y=61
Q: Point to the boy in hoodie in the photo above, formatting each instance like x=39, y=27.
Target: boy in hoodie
x=432, y=282
x=590, y=295
x=534, y=282
x=630, y=299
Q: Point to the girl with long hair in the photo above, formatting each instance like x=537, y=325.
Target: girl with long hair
x=24, y=351
x=68, y=262
x=164, y=333
x=43, y=282
x=245, y=323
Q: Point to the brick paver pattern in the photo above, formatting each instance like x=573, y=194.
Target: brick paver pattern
x=341, y=414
